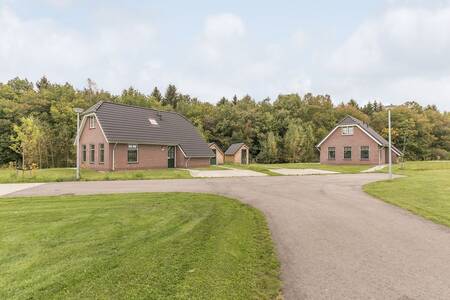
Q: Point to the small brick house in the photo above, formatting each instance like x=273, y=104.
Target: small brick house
x=123, y=137
x=354, y=142
x=219, y=156
x=237, y=153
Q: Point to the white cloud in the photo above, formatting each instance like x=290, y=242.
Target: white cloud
x=112, y=54
x=402, y=54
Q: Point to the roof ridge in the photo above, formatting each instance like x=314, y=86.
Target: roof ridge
x=137, y=106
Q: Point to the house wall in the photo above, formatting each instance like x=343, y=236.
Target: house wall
x=93, y=136
x=219, y=154
x=236, y=158
x=149, y=156
x=358, y=139
x=183, y=162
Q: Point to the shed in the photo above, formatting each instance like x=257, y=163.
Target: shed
x=237, y=153
x=219, y=155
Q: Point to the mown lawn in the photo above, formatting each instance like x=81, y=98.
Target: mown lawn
x=266, y=168
x=68, y=174
x=424, y=191
x=153, y=246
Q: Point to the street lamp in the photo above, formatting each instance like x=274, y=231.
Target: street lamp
x=390, y=140
x=78, y=111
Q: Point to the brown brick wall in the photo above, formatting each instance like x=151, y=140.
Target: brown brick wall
x=182, y=162
x=149, y=156
x=358, y=139
x=93, y=136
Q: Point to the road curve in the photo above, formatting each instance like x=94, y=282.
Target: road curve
x=333, y=240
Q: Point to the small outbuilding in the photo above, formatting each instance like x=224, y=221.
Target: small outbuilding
x=219, y=155
x=237, y=153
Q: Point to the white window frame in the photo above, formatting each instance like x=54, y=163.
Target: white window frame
x=368, y=152
x=91, y=122
x=137, y=154
x=91, y=157
x=347, y=130
x=328, y=153
x=101, y=149
x=351, y=153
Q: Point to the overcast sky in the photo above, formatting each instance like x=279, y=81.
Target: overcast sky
x=390, y=51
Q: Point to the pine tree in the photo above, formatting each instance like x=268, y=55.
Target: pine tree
x=156, y=94
x=171, y=96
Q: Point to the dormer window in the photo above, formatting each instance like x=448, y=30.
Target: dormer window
x=153, y=122
x=347, y=130
x=91, y=122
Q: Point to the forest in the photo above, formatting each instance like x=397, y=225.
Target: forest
x=285, y=129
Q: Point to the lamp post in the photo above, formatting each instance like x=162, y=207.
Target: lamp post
x=78, y=111
x=390, y=139
x=390, y=144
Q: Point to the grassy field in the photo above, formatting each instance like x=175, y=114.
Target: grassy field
x=266, y=168
x=424, y=191
x=67, y=174
x=154, y=246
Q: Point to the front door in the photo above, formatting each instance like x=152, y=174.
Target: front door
x=214, y=159
x=244, y=156
x=171, y=157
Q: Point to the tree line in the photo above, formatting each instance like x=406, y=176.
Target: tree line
x=38, y=124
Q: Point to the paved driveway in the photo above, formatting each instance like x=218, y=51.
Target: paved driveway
x=225, y=173
x=334, y=241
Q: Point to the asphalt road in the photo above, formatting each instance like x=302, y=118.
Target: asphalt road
x=333, y=240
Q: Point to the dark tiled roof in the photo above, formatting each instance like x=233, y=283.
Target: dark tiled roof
x=349, y=120
x=233, y=148
x=130, y=124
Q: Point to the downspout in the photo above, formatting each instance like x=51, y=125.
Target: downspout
x=187, y=162
x=114, y=158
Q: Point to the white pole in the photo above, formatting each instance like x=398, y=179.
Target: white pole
x=78, y=146
x=390, y=145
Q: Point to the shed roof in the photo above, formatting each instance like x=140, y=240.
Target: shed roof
x=234, y=148
x=130, y=124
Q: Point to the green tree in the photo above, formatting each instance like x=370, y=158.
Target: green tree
x=171, y=96
x=156, y=94
x=269, y=151
x=27, y=140
x=293, y=142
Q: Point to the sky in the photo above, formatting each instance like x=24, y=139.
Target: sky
x=387, y=50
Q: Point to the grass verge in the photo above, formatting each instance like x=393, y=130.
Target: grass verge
x=158, y=245
x=68, y=174
x=266, y=168
x=425, y=190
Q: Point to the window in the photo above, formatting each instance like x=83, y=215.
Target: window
x=92, y=153
x=84, y=154
x=364, y=152
x=91, y=122
x=152, y=121
x=348, y=153
x=347, y=130
x=132, y=153
x=331, y=153
x=101, y=153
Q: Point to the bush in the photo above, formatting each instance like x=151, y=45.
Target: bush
x=440, y=154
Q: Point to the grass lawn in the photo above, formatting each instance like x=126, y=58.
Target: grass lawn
x=424, y=191
x=68, y=174
x=154, y=246
x=266, y=168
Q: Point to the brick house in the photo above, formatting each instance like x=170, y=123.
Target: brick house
x=354, y=142
x=122, y=137
x=237, y=153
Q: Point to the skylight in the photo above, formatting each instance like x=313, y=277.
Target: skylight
x=153, y=121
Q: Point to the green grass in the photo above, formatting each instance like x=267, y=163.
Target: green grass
x=67, y=174
x=145, y=246
x=425, y=189
x=266, y=168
